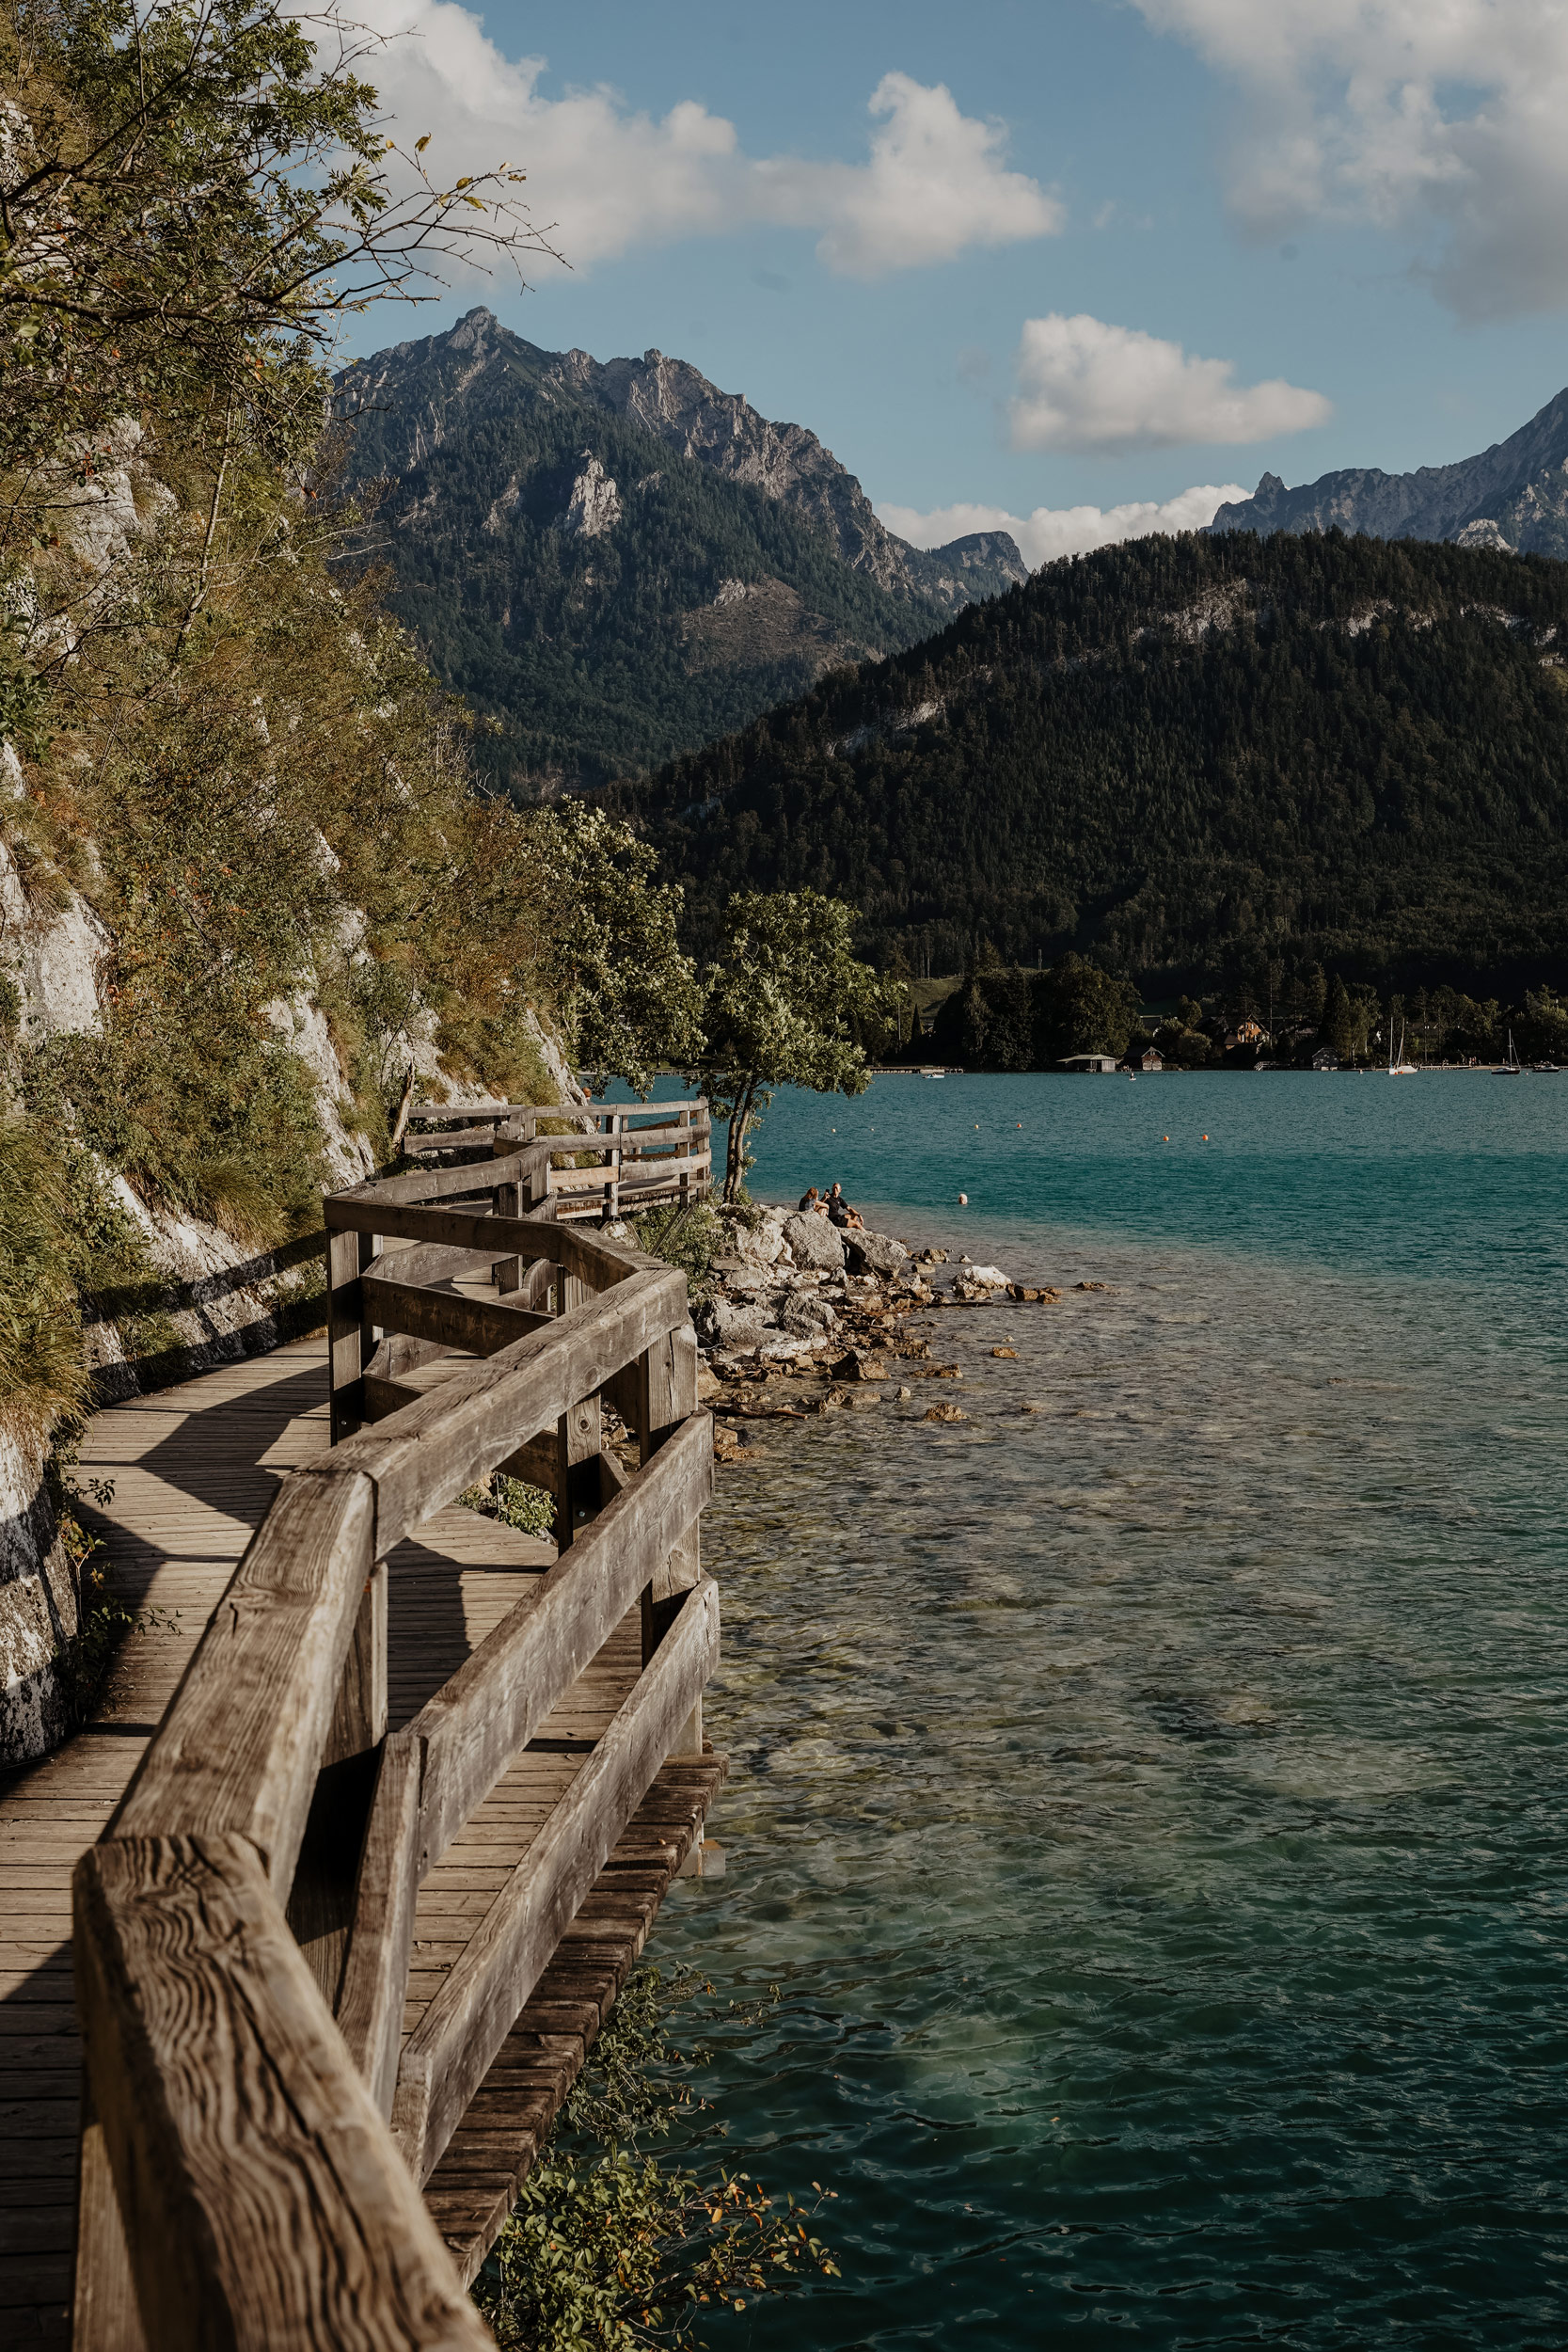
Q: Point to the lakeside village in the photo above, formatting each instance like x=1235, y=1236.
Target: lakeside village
x=1073, y=1018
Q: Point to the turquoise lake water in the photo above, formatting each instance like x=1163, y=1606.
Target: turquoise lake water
x=1154, y=1809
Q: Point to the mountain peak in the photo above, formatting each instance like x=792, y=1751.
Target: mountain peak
x=1513, y=495
x=473, y=330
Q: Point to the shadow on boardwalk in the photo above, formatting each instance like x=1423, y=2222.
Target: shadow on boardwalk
x=195, y=1470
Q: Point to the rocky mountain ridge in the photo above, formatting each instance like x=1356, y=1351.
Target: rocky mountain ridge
x=1513, y=497
x=677, y=404
x=616, y=561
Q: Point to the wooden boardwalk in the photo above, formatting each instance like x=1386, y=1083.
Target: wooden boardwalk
x=195, y=1470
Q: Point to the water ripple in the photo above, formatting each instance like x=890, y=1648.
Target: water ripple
x=1154, y=1808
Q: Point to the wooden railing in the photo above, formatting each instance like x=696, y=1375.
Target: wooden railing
x=255, y=2129
x=605, y=1158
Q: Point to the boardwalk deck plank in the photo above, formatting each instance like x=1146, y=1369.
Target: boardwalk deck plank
x=195, y=1470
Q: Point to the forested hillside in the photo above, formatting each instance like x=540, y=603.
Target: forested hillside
x=617, y=562
x=1187, y=756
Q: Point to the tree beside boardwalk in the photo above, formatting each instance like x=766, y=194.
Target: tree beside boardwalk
x=785, y=1006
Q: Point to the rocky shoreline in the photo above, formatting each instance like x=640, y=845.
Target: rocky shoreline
x=804, y=1317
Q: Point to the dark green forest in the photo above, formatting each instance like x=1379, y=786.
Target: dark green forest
x=596, y=657
x=1186, y=758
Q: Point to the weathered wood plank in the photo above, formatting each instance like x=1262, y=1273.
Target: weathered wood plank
x=431, y=1184
x=264, y=2204
x=452, y=1139
x=435, y=1261
x=498, y=1700
x=104, y=2318
x=469, y=2195
x=240, y=1747
x=370, y=2006
x=425, y=1455
x=447, y=2057
x=482, y=1325
x=592, y=1257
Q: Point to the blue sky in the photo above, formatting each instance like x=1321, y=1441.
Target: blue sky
x=1106, y=249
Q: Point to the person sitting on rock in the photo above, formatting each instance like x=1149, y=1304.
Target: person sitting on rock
x=812, y=1200
x=842, y=1214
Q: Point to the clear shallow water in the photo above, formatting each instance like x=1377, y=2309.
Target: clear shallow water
x=1153, y=1810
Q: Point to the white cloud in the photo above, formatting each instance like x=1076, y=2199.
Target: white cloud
x=935, y=185
x=1440, y=119
x=1102, y=390
x=611, y=178
x=1051, y=531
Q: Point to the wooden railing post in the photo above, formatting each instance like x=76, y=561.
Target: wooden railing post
x=667, y=1382
x=104, y=2318
x=345, y=1260
x=321, y=1900
x=683, y=1141
x=509, y=1271
x=579, y=1441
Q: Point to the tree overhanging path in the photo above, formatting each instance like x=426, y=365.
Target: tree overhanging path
x=195, y=1470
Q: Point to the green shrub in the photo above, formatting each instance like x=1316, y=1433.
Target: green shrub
x=202, y=1112
x=690, y=1238
x=612, y=2251
x=513, y=1502
x=42, y=1375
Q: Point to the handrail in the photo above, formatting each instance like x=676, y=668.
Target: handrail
x=240, y=2181
x=670, y=1155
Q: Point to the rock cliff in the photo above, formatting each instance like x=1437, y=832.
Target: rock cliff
x=1513, y=495
x=563, y=530
x=675, y=403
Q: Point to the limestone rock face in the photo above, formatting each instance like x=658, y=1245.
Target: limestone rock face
x=814, y=1242
x=595, y=505
x=37, y=1607
x=1513, y=496
x=54, y=957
